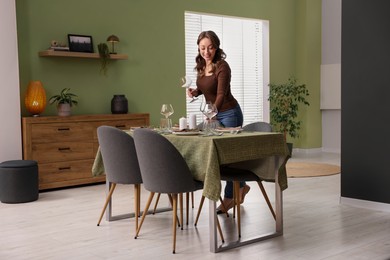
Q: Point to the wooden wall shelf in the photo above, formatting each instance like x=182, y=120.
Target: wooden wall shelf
x=51, y=53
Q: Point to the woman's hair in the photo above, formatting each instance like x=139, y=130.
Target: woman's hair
x=219, y=53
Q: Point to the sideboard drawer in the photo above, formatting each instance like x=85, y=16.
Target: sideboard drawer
x=122, y=125
x=64, y=151
x=62, y=171
x=47, y=133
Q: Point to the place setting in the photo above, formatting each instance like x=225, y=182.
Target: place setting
x=188, y=126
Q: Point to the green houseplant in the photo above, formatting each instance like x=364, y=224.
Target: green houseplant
x=65, y=100
x=104, y=55
x=285, y=100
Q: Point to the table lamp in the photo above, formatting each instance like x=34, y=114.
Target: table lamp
x=112, y=39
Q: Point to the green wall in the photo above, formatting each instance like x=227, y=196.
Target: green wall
x=151, y=33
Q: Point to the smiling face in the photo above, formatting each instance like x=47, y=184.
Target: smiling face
x=207, y=50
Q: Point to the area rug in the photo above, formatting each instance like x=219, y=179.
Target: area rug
x=304, y=169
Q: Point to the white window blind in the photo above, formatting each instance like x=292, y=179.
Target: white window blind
x=245, y=42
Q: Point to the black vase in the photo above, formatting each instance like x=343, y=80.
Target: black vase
x=119, y=104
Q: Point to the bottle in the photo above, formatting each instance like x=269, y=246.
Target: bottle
x=119, y=104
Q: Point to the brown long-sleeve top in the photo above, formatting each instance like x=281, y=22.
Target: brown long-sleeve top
x=216, y=87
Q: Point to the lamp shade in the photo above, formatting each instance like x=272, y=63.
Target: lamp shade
x=113, y=38
x=35, y=99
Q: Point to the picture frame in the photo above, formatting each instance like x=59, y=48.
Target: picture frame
x=80, y=43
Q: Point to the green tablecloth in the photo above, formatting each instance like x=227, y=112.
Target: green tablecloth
x=262, y=153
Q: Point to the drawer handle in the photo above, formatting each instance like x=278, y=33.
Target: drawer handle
x=120, y=126
x=63, y=129
x=64, y=168
x=64, y=149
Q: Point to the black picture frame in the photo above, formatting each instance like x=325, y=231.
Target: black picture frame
x=80, y=43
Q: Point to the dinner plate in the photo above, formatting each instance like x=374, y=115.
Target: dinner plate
x=186, y=133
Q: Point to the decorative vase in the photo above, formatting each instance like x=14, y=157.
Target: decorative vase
x=119, y=104
x=35, y=99
x=63, y=109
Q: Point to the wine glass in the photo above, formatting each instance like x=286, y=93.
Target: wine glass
x=167, y=110
x=186, y=83
x=209, y=110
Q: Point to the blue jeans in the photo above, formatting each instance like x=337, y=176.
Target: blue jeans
x=231, y=118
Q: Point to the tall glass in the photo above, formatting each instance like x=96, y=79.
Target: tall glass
x=186, y=83
x=209, y=110
x=167, y=111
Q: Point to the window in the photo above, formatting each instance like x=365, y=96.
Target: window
x=245, y=42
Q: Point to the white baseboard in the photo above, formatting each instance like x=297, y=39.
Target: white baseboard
x=365, y=204
x=329, y=150
x=315, y=150
x=307, y=151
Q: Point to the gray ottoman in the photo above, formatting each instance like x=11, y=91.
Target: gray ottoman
x=19, y=181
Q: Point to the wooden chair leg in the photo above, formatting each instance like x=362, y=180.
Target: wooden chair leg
x=220, y=230
x=112, y=188
x=266, y=198
x=155, y=204
x=234, y=200
x=171, y=201
x=237, y=204
x=199, y=210
x=181, y=209
x=174, y=218
x=198, y=214
x=223, y=206
x=136, y=204
x=201, y=206
x=139, y=200
x=192, y=199
x=187, y=206
x=144, y=213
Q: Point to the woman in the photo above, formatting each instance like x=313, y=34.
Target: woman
x=213, y=82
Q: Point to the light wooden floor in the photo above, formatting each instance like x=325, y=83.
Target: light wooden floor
x=62, y=225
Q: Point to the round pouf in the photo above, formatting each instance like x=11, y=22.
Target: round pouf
x=19, y=181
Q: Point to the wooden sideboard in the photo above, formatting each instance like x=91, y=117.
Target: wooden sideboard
x=65, y=147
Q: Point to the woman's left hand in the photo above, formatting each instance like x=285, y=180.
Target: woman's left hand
x=192, y=92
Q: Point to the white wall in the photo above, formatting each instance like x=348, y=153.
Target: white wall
x=331, y=76
x=10, y=128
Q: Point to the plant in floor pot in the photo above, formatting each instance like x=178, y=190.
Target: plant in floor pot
x=285, y=100
x=65, y=100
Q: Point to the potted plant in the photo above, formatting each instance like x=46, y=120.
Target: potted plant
x=104, y=55
x=285, y=100
x=65, y=100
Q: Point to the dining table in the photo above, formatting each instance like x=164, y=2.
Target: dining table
x=263, y=153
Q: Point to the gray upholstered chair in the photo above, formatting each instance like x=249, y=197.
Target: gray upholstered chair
x=163, y=170
x=236, y=176
x=258, y=127
x=120, y=164
x=239, y=175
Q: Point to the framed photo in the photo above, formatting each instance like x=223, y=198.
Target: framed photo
x=80, y=43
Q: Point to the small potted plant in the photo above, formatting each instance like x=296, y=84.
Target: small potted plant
x=104, y=55
x=65, y=100
x=285, y=100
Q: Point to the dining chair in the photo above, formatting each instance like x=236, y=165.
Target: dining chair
x=258, y=127
x=163, y=170
x=120, y=163
x=236, y=176
x=254, y=127
x=239, y=175
x=188, y=195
